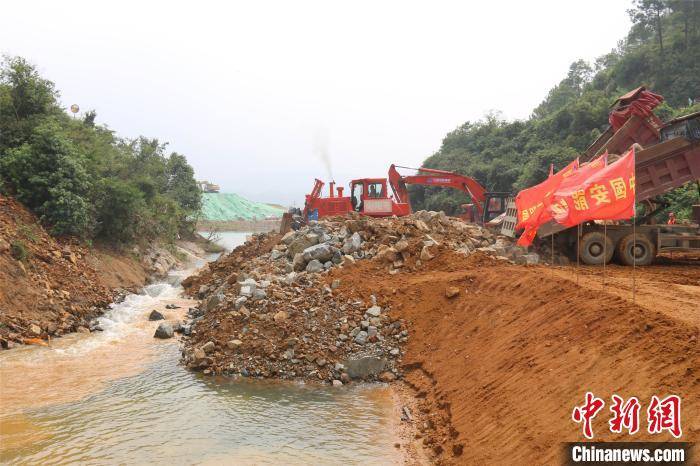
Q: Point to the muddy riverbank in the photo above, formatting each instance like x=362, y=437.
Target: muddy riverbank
x=51, y=287
x=120, y=396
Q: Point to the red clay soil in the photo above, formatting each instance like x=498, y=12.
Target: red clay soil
x=497, y=370
x=669, y=286
x=54, y=286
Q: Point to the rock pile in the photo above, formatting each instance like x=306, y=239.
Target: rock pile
x=269, y=309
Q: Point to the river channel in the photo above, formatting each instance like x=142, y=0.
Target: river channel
x=120, y=397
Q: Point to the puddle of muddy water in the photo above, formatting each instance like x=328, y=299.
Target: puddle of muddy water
x=119, y=396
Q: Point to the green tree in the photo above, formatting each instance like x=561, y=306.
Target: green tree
x=648, y=14
x=25, y=99
x=79, y=177
x=511, y=155
x=120, y=210
x=47, y=175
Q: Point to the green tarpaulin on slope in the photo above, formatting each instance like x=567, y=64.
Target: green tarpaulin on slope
x=226, y=206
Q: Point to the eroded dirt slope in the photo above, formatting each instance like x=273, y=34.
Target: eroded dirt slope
x=50, y=287
x=498, y=369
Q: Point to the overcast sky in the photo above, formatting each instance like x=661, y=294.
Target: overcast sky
x=251, y=92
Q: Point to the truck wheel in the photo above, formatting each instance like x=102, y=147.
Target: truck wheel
x=595, y=247
x=636, y=250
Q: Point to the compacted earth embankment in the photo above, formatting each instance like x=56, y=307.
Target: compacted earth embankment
x=497, y=369
x=50, y=287
x=490, y=355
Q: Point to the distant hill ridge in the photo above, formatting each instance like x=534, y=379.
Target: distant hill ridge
x=221, y=207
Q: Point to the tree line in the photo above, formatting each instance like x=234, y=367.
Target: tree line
x=661, y=51
x=79, y=177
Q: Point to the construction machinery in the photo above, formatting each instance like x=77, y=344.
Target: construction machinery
x=370, y=196
x=667, y=157
x=207, y=187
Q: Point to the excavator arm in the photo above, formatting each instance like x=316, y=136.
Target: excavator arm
x=433, y=177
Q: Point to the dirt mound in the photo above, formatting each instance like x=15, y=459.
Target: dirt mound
x=46, y=286
x=267, y=310
x=497, y=369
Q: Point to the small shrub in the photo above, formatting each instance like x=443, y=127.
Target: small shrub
x=19, y=251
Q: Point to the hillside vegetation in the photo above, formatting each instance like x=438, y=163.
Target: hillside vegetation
x=79, y=177
x=661, y=51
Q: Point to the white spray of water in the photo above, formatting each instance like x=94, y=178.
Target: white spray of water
x=117, y=323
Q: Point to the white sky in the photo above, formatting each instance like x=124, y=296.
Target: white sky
x=249, y=91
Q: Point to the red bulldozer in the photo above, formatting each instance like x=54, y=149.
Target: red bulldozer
x=370, y=196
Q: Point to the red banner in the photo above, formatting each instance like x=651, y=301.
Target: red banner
x=530, y=202
x=527, y=236
x=596, y=192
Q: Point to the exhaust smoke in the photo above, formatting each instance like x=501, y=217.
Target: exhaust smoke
x=321, y=150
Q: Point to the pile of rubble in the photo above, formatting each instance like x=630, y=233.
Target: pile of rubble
x=270, y=309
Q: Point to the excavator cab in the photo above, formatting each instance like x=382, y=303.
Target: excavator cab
x=369, y=196
x=494, y=205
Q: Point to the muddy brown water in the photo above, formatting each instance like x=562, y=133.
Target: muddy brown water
x=120, y=397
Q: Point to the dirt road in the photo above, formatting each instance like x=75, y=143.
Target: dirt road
x=672, y=286
x=498, y=369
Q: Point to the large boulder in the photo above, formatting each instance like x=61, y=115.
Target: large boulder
x=352, y=244
x=214, y=301
x=401, y=246
x=387, y=254
x=314, y=266
x=248, y=287
x=425, y=254
x=289, y=237
x=155, y=315
x=164, y=331
x=364, y=367
x=301, y=243
x=298, y=264
x=321, y=252
x=259, y=294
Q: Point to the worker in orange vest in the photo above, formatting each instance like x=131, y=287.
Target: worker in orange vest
x=671, y=218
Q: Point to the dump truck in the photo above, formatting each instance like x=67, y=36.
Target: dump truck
x=667, y=157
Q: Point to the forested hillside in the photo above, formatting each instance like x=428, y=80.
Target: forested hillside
x=79, y=177
x=661, y=51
